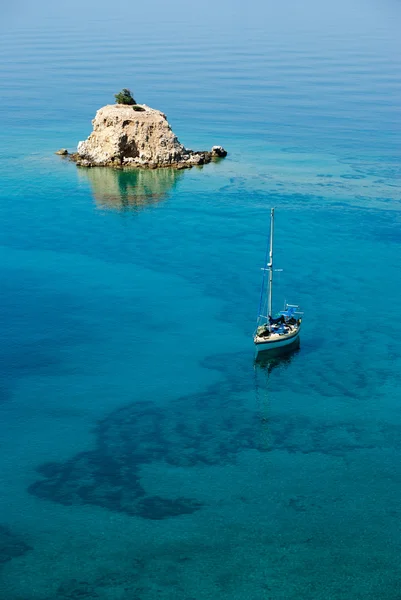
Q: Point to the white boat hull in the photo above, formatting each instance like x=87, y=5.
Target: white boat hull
x=276, y=341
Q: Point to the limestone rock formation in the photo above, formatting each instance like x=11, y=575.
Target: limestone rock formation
x=137, y=136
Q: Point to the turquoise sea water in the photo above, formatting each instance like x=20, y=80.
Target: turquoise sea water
x=143, y=454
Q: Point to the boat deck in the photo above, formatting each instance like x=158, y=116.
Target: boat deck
x=275, y=337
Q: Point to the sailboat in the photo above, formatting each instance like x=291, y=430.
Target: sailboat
x=282, y=331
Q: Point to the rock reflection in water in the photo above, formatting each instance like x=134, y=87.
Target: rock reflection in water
x=130, y=189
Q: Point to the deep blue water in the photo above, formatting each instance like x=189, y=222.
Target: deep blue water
x=143, y=454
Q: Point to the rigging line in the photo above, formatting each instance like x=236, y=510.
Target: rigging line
x=263, y=283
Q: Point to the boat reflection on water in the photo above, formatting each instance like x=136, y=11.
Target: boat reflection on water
x=277, y=358
x=264, y=365
x=130, y=189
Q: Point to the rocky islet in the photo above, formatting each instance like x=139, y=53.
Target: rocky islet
x=136, y=136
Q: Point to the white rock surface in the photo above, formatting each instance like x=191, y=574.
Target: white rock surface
x=137, y=136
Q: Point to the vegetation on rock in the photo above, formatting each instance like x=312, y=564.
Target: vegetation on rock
x=124, y=97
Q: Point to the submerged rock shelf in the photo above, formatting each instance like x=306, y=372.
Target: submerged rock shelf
x=138, y=137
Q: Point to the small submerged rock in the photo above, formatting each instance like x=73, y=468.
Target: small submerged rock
x=62, y=152
x=73, y=589
x=11, y=545
x=136, y=136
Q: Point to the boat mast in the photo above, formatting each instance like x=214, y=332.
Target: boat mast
x=270, y=266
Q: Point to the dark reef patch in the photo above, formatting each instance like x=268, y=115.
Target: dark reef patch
x=11, y=545
x=208, y=428
x=76, y=590
x=191, y=431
